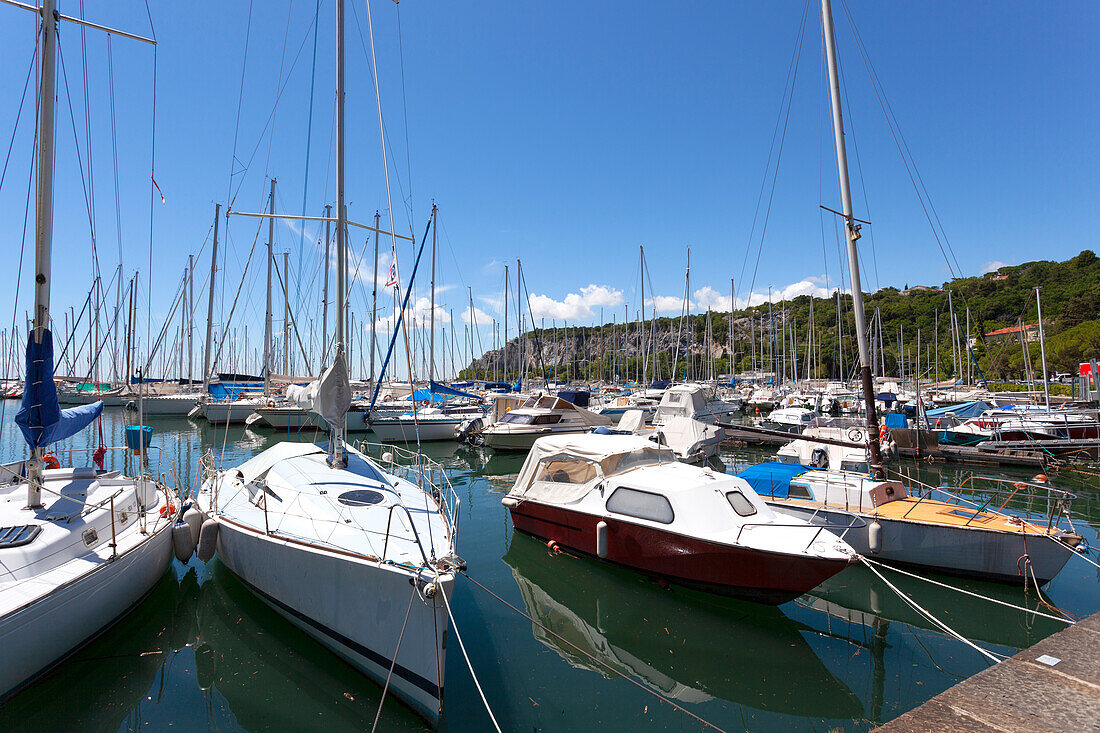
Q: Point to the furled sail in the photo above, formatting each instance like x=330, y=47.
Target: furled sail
x=329, y=396
x=40, y=418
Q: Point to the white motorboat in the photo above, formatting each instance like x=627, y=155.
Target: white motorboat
x=789, y=419
x=625, y=500
x=284, y=416
x=539, y=415
x=695, y=401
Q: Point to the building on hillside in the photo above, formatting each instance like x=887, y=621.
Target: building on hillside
x=1030, y=333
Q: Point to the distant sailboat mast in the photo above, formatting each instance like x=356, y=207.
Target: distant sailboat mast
x=852, y=230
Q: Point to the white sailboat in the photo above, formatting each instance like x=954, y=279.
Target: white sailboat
x=359, y=554
x=79, y=546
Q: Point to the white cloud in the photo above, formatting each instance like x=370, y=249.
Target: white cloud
x=576, y=306
x=992, y=266
x=482, y=318
x=806, y=286
x=668, y=303
x=707, y=298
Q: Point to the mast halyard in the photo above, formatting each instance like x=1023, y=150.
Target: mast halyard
x=852, y=230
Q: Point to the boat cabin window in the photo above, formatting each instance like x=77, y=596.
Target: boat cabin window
x=640, y=504
x=515, y=419
x=546, y=419
x=799, y=491
x=565, y=470
x=740, y=503
x=857, y=466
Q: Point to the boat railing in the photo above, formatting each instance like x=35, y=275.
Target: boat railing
x=416, y=535
x=856, y=522
x=1057, y=500
x=429, y=475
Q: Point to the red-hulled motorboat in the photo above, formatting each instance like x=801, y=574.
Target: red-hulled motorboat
x=625, y=500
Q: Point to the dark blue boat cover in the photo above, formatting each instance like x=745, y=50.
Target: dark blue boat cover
x=772, y=480
x=438, y=388
x=40, y=418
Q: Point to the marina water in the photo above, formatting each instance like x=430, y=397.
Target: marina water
x=204, y=653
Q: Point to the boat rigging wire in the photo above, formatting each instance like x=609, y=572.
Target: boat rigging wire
x=602, y=663
x=784, y=116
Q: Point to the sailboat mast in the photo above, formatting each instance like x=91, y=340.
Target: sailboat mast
x=336, y=446
x=431, y=317
x=43, y=240
x=267, y=317
x=209, y=309
x=852, y=230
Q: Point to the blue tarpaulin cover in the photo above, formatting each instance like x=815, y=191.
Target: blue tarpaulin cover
x=772, y=479
x=896, y=420
x=40, y=418
x=576, y=396
x=222, y=391
x=965, y=411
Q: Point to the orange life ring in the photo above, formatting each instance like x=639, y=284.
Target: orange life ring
x=425, y=403
x=883, y=431
x=271, y=403
x=50, y=461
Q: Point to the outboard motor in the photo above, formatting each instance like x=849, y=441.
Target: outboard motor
x=819, y=458
x=469, y=432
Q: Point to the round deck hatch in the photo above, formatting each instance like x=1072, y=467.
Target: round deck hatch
x=360, y=497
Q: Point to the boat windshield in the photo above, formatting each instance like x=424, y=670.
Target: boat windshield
x=565, y=470
x=623, y=462
x=515, y=419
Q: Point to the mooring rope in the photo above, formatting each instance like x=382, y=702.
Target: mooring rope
x=996, y=658
x=971, y=593
x=393, y=663
x=469, y=664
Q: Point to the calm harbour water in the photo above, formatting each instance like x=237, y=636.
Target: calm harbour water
x=203, y=654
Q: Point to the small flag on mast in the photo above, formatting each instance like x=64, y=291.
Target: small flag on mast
x=162, y=201
x=392, y=282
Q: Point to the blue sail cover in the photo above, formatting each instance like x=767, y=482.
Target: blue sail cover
x=40, y=418
x=965, y=411
x=437, y=388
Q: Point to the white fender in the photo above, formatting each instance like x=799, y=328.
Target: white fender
x=601, y=539
x=208, y=539
x=874, y=536
x=182, y=543
x=193, y=517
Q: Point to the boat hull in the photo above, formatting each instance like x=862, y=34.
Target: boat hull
x=733, y=570
x=354, y=607
x=404, y=431
x=228, y=413
x=521, y=441
x=40, y=635
x=964, y=551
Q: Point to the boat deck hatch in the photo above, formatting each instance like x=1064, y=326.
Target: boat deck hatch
x=970, y=514
x=360, y=497
x=18, y=536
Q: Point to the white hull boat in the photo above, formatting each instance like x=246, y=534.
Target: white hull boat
x=344, y=554
x=429, y=425
x=66, y=584
x=171, y=404
x=228, y=413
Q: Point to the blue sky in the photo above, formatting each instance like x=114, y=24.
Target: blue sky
x=564, y=134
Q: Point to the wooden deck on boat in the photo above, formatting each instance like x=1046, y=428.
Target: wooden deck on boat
x=1023, y=693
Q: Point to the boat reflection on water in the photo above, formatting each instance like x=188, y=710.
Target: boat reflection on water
x=207, y=656
x=688, y=646
x=104, y=683
x=856, y=595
